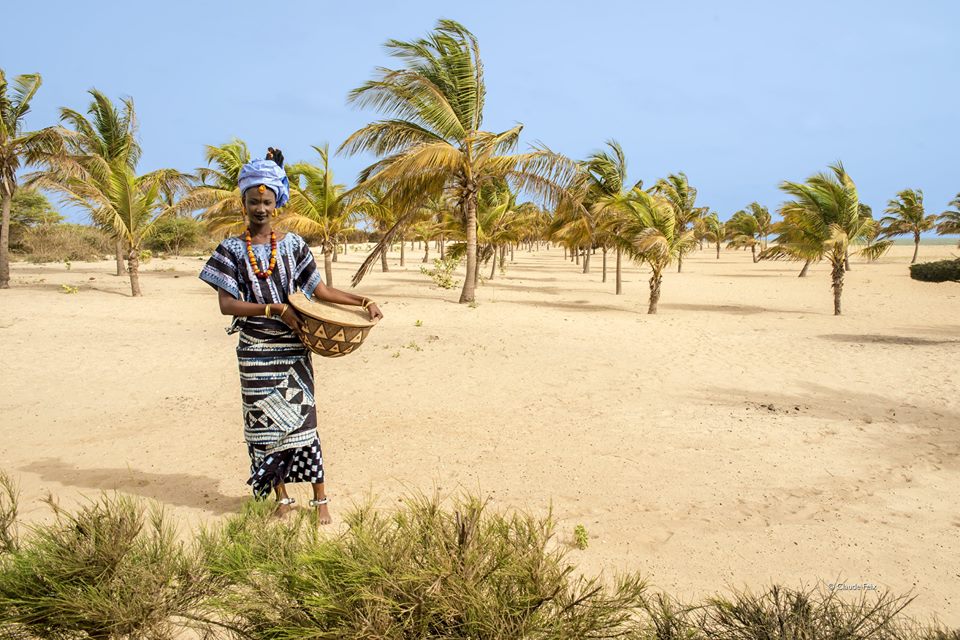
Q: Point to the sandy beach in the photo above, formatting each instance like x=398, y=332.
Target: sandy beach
x=741, y=437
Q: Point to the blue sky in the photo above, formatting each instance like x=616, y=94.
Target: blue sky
x=739, y=95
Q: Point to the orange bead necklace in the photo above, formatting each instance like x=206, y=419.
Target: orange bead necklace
x=263, y=275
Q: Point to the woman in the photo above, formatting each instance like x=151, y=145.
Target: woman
x=254, y=275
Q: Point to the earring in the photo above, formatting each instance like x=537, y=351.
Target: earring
x=275, y=213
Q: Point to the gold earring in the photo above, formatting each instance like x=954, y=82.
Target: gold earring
x=275, y=213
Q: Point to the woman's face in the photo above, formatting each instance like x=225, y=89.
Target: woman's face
x=259, y=205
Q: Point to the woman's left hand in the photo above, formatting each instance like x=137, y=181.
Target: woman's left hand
x=374, y=311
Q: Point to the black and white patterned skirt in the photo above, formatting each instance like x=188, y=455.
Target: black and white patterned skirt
x=303, y=464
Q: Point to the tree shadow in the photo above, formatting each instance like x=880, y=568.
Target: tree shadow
x=82, y=287
x=951, y=330
x=843, y=404
x=181, y=489
x=570, y=306
x=765, y=274
x=732, y=309
x=885, y=339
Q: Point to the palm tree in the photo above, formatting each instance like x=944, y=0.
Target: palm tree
x=607, y=196
x=681, y=197
x=907, y=216
x=714, y=230
x=748, y=228
x=822, y=221
x=216, y=193
x=106, y=140
x=378, y=205
x=318, y=207
x=127, y=204
x=874, y=245
x=16, y=147
x=650, y=233
x=949, y=220
x=438, y=219
x=434, y=143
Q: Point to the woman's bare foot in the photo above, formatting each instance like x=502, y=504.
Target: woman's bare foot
x=323, y=512
x=282, y=510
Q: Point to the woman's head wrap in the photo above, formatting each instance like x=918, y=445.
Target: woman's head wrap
x=267, y=173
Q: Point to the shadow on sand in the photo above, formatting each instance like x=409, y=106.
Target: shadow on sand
x=732, y=309
x=180, y=489
x=885, y=339
x=937, y=441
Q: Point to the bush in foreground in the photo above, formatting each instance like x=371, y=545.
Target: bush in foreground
x=423, y=572
x=429, y=569
x=939, y=271
x=112, y=570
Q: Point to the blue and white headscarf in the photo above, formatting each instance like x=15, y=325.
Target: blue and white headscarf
x=267, y=173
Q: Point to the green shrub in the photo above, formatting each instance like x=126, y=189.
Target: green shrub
x=9, y=503
x=812, y=613
x=425, y=571
x=580, y=538
x=442, y=272
x=429, y=569
x=940, y=271
x=175, y=235
x=113, y=570
x=63, y=242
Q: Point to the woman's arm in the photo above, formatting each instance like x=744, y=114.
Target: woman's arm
x=329, y=294
x=230, y=306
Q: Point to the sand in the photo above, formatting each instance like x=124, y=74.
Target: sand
x=741, y=437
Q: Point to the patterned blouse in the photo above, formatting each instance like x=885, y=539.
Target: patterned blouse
x=229, y=269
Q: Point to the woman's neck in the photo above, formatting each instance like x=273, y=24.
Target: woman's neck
x=260, y=231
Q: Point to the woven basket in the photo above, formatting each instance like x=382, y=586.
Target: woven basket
x=331, y=330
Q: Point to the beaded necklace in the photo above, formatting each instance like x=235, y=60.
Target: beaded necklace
x=263, y=275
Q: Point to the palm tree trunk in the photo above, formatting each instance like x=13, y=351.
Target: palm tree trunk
x=846, y=259
x=916, y=247
x=476, y=270
x=120, y=268
x=401, y=251
x=564, y=252
x=336, y=249
x=426, y=251
x=604, y=264
x=503, y=256
x=837, y=285
x=576, y=255
x=656, y=278
x=328, y=256
x=442, y=249
x=619, y=273
x=511, y=252
x=468, y=294
x=753, y=251
x=383, y=259
x=718, y=251
x=493, y=261
x=5, y=242
x=803, y=272
x=679, y=266
x=134, y=262
x=586, y=260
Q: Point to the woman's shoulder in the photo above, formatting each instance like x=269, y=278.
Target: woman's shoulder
x=292, y=239
x=231, y=245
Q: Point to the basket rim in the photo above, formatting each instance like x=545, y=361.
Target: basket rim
x=301, y=303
